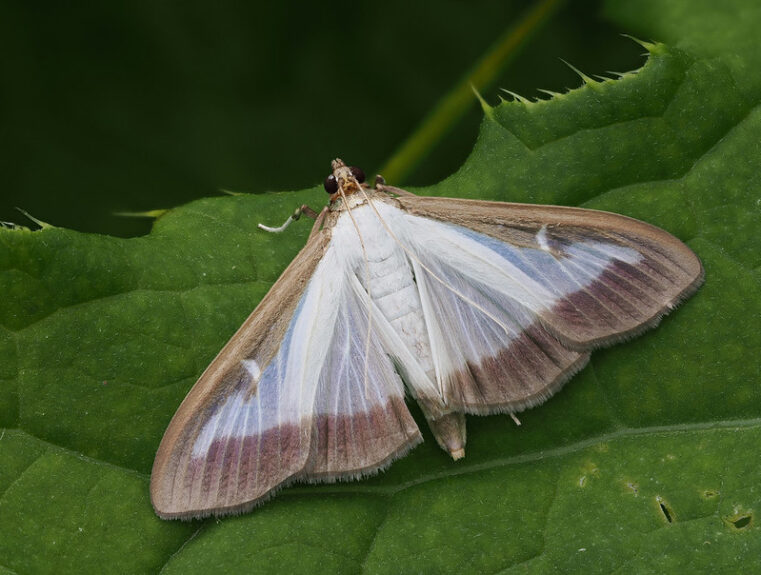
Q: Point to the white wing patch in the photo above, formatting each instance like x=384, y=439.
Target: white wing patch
x=541, y=238
x=252, y=367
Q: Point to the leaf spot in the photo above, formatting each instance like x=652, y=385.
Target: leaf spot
x=742, y=522
x=739, y=520
x=666, y=510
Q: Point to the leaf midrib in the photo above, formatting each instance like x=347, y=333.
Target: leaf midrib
x=534, y=456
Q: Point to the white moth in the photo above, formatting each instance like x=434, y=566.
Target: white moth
x=467, y=306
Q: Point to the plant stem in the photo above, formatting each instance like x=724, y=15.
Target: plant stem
x=453, y=105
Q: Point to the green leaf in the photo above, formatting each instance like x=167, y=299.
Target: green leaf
x=646, y=462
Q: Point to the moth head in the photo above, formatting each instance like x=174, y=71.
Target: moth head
x=344, y=178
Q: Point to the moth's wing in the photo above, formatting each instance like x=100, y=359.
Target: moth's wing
x=203, y=464
x=253, y=421
x=361, y=420
x=537, y=288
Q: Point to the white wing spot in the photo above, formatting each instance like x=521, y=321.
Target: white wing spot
x=541, y=238
x=252, y=368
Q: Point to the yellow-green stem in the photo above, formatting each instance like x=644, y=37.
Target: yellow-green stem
x=452, y=107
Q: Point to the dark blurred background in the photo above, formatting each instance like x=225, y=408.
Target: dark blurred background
x=136, y=105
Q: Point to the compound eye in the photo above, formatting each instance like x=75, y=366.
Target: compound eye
x=358, y=174
x=331, y=185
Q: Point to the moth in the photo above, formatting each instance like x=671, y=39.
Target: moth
x=468, y=307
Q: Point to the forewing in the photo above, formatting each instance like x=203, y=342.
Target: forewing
x=296, y=394
x=612, y=276
x=515, y=296
x=245, y=427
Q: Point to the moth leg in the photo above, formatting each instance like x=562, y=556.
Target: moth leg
x=304, y=209
x=11, y=226
x=319, y=218
x=380, y=185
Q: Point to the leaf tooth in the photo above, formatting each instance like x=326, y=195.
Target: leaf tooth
x=43, y=225
x=584, y=78
x=549, y=92
x=484, y=104
x=649, y=46
x=517, y=97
